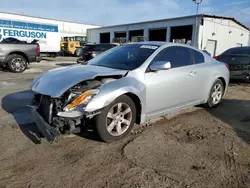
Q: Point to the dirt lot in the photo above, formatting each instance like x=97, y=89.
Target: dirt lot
x=194, y=148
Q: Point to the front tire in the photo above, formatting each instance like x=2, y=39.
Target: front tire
x=16, y=63
x=216, y=94
x=116, y=120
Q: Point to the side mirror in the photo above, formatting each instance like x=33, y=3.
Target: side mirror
x=160, y=65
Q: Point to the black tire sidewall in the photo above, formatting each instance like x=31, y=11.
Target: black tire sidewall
x=100, y=120
x=210, y=100
x=9, y=60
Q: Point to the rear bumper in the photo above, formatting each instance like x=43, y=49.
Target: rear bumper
x=38, y=58
x=245, y=75
x=50, y=133
x=35, y=59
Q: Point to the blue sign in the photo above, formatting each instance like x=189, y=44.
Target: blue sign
x=28, y=26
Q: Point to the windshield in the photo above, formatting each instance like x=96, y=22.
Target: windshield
x=88, y=47
x=126, y=57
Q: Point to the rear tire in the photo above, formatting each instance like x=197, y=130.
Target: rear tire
x=216, y=94
x=116, y=120
x=16, y=63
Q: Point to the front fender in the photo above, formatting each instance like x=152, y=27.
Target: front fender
x=110, y=91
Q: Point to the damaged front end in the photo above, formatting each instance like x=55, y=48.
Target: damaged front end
x=66, y=114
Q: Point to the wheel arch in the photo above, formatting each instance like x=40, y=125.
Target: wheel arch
x=21, y=54
x=138, y=106
x=101, y=101
x=112, y=90
x=211, y=85
x=224, y=83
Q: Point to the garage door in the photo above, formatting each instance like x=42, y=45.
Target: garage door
x=104, y=37
x=158, y=35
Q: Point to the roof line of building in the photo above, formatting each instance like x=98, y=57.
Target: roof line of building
x=226, y=18
x=49, y=18
x=150, y=21
x=177, y=18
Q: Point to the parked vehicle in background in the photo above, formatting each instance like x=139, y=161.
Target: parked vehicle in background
x=89, y=51
x=48, y=32
x=238, y=60
x=123, y=40
x=138, y=39
x=46, y=35
x=69, y=45
x=119, y=41
x=128, y=84
x=16, y=57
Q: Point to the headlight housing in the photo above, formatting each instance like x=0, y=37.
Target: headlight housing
x=81, y=100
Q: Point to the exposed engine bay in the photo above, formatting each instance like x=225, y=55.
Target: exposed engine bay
x=50, y=108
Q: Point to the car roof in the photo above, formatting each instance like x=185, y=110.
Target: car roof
x=240, y=47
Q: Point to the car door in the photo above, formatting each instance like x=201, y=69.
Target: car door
x=202, y=74
x=173, y=88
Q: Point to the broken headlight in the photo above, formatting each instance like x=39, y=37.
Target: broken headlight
x=81, y=101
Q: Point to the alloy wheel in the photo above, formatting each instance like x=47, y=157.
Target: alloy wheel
x=217, y=93
x=118, y=119
x=18, y=64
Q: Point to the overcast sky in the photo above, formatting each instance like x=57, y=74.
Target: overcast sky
x=111, y=12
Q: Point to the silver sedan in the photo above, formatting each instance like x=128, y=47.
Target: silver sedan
x=128, y=84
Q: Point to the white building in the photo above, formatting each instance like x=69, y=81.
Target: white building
x=49, y=32
x=215, y=33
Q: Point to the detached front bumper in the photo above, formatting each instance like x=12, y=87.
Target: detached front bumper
x=45, y=129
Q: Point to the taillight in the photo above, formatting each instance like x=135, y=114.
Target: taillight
x=227, y=66
x=216, y=57
x=91, y=52
x=38, y=49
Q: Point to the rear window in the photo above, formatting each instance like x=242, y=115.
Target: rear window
x=237, y=51
x=88, y=47
x=103, y=47
x=198, y=57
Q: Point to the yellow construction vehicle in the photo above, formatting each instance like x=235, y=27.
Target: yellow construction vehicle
x=70, y=44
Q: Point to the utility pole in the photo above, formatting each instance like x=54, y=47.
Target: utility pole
x=197, y=2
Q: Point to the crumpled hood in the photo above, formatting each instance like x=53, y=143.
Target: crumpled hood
x=56, y=81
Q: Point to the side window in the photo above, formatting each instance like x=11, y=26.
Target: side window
x=198, y=57
x=178, y=56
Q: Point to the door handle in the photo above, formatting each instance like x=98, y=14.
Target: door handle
x=192, y=73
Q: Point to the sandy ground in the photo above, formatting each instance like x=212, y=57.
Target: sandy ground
x=192, y=148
